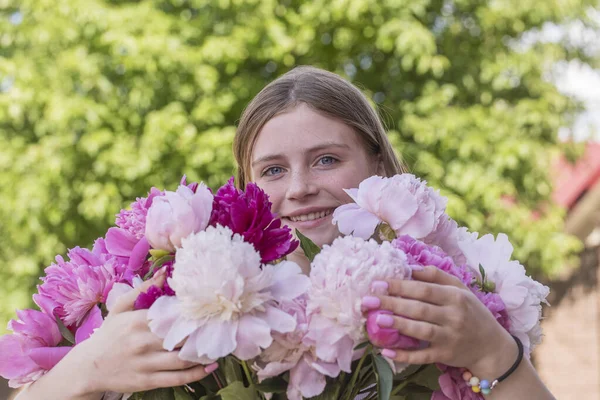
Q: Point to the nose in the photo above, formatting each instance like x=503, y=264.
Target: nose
x=301, y=185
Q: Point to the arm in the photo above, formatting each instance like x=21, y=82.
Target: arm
x=461, y=332
x=123, y=356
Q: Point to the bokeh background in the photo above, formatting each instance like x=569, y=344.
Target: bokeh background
x=494, y=102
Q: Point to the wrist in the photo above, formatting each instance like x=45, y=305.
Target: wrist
x=496, y=362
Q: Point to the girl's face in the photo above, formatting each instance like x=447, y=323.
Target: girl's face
x=303, y=160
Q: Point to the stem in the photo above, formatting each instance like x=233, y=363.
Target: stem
x=219, y=384
x=339, y=386
x=247, y=372
x=399, y=387
x=357, y=372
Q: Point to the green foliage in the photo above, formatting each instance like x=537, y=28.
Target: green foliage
x=100, y=100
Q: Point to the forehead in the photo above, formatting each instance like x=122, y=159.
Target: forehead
x=301, y=129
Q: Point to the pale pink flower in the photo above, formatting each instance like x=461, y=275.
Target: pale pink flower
x=222, y=291
x=175, y=215
x=522, y=296
x=404, y=202
x=341, y=274
x=294, y=352
x=449, y=237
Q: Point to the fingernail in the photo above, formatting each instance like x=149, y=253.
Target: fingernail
x=211, y=368
x=379, y=286
x=371, y=302
x=384, y=321
x=388, y=353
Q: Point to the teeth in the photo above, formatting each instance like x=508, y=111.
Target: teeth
x=311, y=216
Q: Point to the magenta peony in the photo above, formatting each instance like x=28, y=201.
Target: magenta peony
x=248, y=213
x=133, y=221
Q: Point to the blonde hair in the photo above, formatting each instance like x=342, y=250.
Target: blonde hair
x=323, y=91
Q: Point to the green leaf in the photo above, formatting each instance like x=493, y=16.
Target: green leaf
x=231, y=369
x=482, y=272
x=182, y=394
x=308, y=246
x=159, y=394
x=64, y=331
x=211, y=397
x=385, y=378
x=272, y=385
x=237, y=391
x=361, y=345
x=428, y=377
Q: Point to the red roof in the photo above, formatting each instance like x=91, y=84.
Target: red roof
x=572, y=180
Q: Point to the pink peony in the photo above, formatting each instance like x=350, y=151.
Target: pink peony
x=294, y=352
x=522, y=296
x=32, y=350
x=176, y=215
x=341, y=274
x=453, y=386
x=387, y=338
x=248, y=213
x=237, y=304
x=71, y=288
x=421, y=255
x=404, y=202
x=448, y=236
x=133, y=221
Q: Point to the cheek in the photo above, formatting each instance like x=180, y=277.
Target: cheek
x=347, y=179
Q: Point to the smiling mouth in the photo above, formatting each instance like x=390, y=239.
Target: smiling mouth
x=311, y=216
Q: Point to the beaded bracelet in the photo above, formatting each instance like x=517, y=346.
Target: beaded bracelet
x=484, y=386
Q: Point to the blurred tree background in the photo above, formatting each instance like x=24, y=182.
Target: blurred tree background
x=100, y=100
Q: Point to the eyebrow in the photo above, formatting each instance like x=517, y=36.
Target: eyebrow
x=323, y=146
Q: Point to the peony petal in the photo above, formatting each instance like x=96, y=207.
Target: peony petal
x=14, y=362
x=45, y=303
x=139, y=254
x=252, y=335
x=47, y=357
x=91, y=322
x=351, y=219
x=278, y=320
x=288, y=281
x=398, y=205
x=310, y=382
x=225, y=331
x=119, y=242
x=181, y=329
x=163, y=314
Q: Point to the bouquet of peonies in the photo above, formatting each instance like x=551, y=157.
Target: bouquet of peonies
x=281, y=335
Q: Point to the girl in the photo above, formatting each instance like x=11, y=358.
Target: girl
x=303, y=139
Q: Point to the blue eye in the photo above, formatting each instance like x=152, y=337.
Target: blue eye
x=272, y=171
x=327, y=160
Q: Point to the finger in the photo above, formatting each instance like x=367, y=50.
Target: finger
x=432, y=293
x=179, y=378
x=432, y=274
x=166, y=361
x=422, y=356
x=126, y=301
x=413, y=309
x=417, y=329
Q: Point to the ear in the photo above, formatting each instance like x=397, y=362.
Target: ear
x=380, y=168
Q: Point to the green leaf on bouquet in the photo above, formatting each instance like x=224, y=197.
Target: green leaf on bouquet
x=159, y=394
x=308, y=246
x=232, y=370
x=181, y=394
x=64, y=331
x=158, y=253
x=272, y=385
x=237, y=391
x=385, y=378
x=361, y=345
x=211, y=397
x=482, y=272
x=157, y=264
x=428, y=377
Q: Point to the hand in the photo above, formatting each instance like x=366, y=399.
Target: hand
x=436, y=307
x=125, y=356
